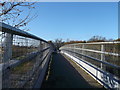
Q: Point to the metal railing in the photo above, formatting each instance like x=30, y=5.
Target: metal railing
x=23, y=56
x=102, y=56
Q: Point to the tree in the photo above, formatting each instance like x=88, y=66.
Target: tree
x=58, y=43
x=13, y=13
x=97, y=39
x=110, y=40
x=117, y=39
x=72, y=42
x=52, y=44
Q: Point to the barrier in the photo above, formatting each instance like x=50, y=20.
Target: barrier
x=100, y=60
x=23, y=57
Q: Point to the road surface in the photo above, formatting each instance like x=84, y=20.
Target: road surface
x=61, y=74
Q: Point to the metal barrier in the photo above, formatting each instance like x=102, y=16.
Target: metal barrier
x=23, y=58
x=101, y=60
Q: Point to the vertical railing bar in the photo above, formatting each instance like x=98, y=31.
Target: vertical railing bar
x=6, y=59
x=83, y=46
x=102, y=56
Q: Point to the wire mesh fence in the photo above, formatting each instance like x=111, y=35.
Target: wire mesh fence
x=102, y=55
x=21, y=56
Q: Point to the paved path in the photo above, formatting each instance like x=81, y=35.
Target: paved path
x=63, y=75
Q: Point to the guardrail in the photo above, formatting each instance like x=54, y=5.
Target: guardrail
x=101, y=60
x=23, y=58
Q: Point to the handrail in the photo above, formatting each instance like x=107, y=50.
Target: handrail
x=116, y=79
x=114, y=42
x=20, y=50
x=99, y=59
x=114, y=66
x=13, y=30
x=96, y=51
x=25, y=60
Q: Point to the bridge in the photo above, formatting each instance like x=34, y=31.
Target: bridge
x=27, y=61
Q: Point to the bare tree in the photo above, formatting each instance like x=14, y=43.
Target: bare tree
x=14, y=13
x=97, y=39
x=58, y=43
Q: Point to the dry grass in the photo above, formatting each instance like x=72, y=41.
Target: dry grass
x=23, y=68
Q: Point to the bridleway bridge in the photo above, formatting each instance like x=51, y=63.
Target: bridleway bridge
x=27, y=61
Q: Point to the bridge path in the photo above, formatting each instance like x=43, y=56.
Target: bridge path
x=61, y=74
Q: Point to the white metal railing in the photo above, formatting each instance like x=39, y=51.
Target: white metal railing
x=23, y=57
x=100, y=59
x=108, y=53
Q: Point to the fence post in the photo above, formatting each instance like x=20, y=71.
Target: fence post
x=83, y=46
x=102, y=56
x=45, y=48
x=41, y=48
x=7, y=55
x=74, y=49
x=39, y=57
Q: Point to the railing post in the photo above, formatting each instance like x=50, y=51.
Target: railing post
x=44, y=48
x=7, y=55
x=7, y=48
x=74, y=49
x=39, y=59
x=102, y=56
x=83, y=46
x=41, y=48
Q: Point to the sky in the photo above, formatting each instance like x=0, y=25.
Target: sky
x=75, y=20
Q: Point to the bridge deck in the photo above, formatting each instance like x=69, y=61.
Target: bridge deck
x=63, y=73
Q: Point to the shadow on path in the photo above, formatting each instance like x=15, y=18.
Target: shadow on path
x=63, y=75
